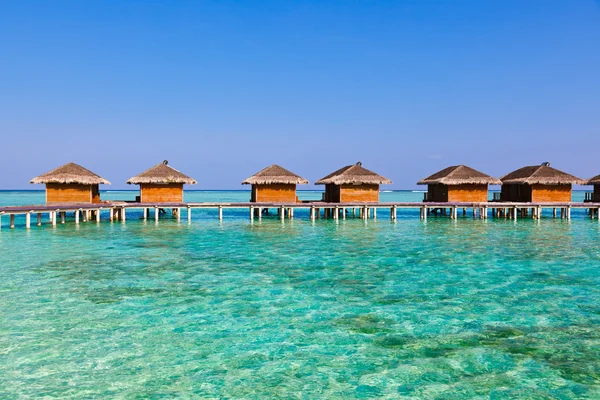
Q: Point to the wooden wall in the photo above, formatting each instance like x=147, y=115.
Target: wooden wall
x=161, y=193
x=274, y=193
x=68, y=193
x=468, y=193
x=551, y=193
x=537, y=193
x=351, y=193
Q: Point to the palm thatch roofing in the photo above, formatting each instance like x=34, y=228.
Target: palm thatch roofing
x=274, y=174
x=70, y=173
x=161, y=174
x=459, y=175
x=354, y=175
x=594, y=181
x=542, y=174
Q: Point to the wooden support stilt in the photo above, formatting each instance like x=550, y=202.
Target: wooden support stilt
x=474, y=212
x=554, y=212
x=28, y=220
x=282, y=213
x=220, y=213
x=464, y=211
x=374, y=212
x=260, y=211
x=312, y=213
x=145, y=213
x=123, y=216
x=112, y=214
x=425, y=213
x=54, y=217
x=39, y=219
x=515, y=211
x=365, y=212
x=98, y=215
x=353, y=211
x=569, y=212
x=156, y=214
x=252, y=213
x=291, y=213
x=63, y=217
x=343, y=213
x=189, y=214
x=12, y=221
x=76, y=216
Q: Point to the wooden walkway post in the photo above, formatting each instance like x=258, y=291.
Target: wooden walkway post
x=76, y=216
x=39, y=219
x=251, y=213
x=98, y=215
x=123, y=216
x=156, y=213
x=189, y=214
x=28, y=220
x=220, y=213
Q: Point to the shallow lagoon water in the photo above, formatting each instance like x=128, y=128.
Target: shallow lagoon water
x=349, y=309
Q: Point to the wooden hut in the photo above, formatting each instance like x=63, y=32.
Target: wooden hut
x=457, y=184
x=353, y=183
x=274, y=184
x=71, y=183
x=595, y=196
x=161, y=184
x=539, y=184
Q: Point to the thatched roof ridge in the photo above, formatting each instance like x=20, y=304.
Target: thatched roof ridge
x=161, y=173
x=594, y=181
x=542, y=174
x=353, y=174
x=459, y=175
x=70, y=173
x=275, y=174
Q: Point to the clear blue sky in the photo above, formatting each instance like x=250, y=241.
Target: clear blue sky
x=224, y=88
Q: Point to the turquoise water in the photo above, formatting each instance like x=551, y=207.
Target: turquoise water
x=440, y=309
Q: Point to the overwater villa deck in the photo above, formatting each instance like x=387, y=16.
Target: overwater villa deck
x=117, y=211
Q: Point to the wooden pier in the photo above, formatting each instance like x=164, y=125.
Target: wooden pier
x=117, y=211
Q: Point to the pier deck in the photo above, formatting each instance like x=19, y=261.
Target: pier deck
x=118, y=210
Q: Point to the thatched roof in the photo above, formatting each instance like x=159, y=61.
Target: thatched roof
x=275, y=174
x=355, y=175
x=70, y=173
x=459, y=175
x=161, y=173
x=542, y=174
x=594, y=181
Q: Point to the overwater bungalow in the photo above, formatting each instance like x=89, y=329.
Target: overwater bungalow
x=274, y=184
x=352, y=183
x=595, y=195
x=458, y=183
x=71, y=183
x=161, y=184
x=538, y=183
